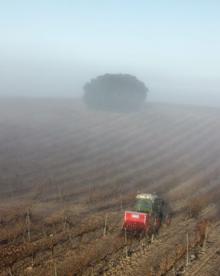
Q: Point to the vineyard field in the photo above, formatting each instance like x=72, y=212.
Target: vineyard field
x=67, y=172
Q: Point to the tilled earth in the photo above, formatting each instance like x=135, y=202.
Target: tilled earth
x=66, y=172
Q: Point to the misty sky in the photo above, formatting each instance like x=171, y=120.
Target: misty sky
x=51, y=47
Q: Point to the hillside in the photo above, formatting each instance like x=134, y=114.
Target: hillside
x=64, y=168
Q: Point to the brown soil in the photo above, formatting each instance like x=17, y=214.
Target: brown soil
x=64, y=170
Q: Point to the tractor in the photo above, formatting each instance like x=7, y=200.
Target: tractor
x=149, y=212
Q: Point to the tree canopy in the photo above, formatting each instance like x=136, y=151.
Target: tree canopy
x=120, y=92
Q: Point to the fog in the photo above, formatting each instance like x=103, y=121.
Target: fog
x=51, y=49
x=66, y=79
x=101, y=101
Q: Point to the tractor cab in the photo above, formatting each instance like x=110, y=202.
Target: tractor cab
x=144, y=203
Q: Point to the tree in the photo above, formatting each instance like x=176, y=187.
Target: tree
x=118, y=92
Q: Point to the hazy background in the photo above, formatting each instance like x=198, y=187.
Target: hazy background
x=51, y=48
